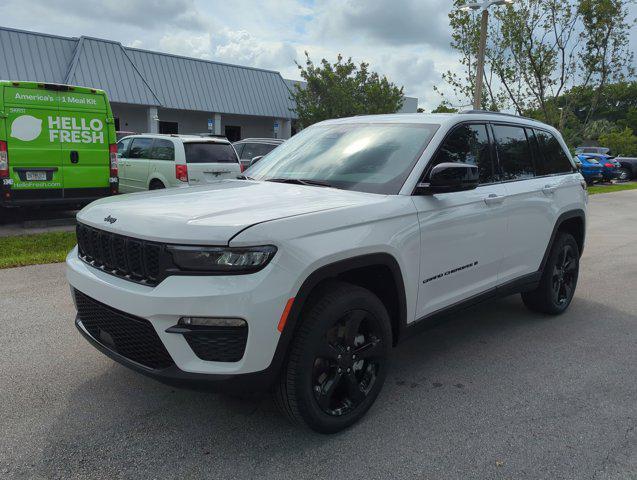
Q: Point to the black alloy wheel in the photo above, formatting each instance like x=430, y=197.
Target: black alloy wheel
x=564, y=275
x=347, y=363
x=557, y=285
x=338, y=358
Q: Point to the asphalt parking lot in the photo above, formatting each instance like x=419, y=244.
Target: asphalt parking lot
x=498, y=392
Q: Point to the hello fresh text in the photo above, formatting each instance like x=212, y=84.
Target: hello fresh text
x=76, y=130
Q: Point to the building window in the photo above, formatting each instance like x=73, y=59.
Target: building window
x=168, y=127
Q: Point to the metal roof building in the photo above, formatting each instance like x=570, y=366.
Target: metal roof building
x=156, y=92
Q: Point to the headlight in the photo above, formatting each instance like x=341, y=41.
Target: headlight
x=222, y=259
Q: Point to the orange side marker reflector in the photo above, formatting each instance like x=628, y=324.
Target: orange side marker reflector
x=284, y=315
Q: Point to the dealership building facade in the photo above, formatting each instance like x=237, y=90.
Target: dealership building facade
x=158, y=92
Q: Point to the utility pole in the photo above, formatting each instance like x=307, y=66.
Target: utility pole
x=484, y=25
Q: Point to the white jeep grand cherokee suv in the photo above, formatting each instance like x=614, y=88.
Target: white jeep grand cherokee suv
x=301, y=275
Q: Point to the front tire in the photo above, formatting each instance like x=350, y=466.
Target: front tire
x=559, y=278
x=338, y=359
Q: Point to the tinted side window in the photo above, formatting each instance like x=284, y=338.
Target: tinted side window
x=140, y=148
x=210, y=153
x=249, y=151
x=239, y=148
x=553, y=159
x=163, y=150
x=122, y=147
x=468, y=144
x=514, y=153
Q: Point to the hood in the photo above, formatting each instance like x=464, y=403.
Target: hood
x=213, y=214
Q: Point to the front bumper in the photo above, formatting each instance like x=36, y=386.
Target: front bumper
x=258, y=298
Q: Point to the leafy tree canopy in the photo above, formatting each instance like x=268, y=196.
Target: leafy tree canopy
x=342, y=89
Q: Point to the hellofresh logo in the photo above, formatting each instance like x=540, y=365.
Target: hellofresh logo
x=74, y=130
x=26, y=128
x=61, y=129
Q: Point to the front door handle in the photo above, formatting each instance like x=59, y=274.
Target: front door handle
x=494, y=199
x=75, y=156
x=549, y=189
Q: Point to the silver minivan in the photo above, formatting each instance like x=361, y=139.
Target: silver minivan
x=154, y=161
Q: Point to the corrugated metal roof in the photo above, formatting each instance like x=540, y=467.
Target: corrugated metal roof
x=34, y=56
x=103, y=64
x=192, y=84
x=142, y=77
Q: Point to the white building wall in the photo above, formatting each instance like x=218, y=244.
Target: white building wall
x=132, y=118
x=262, y=127
x=139, y=118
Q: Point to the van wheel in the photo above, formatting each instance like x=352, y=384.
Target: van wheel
x=338, y=359
x=559, y=279
x=156, y=185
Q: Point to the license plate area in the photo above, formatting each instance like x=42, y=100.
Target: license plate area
x=35, y=176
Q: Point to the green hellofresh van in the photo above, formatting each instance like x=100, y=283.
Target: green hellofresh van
x=57, y=144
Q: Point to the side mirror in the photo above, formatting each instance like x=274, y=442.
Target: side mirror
x=450, y=177
x=255, y=160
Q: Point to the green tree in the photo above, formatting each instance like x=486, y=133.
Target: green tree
x=538, y=49
x=444, y=107
x=620, y=142
x=342, y=89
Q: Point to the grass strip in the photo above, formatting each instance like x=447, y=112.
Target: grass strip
x=21, y=250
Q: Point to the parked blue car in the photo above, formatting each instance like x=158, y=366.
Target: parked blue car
x=590, y=168
x=610, y=166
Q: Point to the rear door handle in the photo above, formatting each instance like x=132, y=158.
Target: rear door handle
x=494, y=199
x=75, y=156
x=549, y=189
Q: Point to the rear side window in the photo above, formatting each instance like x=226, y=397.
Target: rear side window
x=140, y=148
x=239, y=148
x=163, y=150
x=468, y=144
x=210, y=153
x=552, y=159
x=514, y=153
x=251, y=150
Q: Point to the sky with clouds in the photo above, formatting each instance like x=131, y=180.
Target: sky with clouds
x=407, y=40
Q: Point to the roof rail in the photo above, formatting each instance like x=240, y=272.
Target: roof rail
x=498, y=113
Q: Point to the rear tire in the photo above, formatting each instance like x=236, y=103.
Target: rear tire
x=559, y=278
x=338, y=359
x=156, y=185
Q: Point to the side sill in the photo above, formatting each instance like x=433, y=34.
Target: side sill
x=523, y=284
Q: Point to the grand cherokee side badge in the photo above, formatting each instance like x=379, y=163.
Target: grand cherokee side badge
x=110, y=220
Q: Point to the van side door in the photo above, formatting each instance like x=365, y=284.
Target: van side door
x=462, y=233
x=137, y=167
x=162, y=162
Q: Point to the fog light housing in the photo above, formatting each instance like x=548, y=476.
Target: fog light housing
x=218, y=322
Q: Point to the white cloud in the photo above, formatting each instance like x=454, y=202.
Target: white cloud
x=242, y=47
x=406, y=40
x=182, y=43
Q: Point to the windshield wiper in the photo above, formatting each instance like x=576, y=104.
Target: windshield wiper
x=301, y=181
x=244, y=177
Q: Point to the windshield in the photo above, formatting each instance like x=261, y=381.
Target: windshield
x=367, y=157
